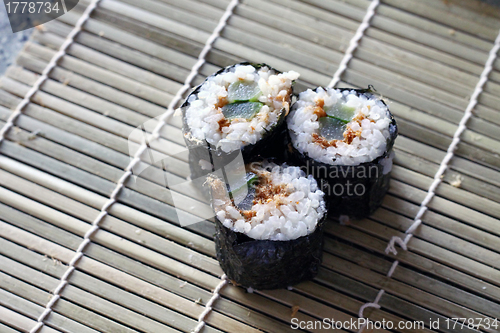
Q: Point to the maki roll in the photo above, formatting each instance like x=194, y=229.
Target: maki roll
x=269, y=226
x=240, y=108
x=344, y=138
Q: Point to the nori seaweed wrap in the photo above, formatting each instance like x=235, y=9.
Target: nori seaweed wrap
x=344, y=138
x=270, y=235
x=239, y=109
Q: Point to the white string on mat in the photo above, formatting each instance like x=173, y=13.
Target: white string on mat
x=155, y=134
x=353, y=44
x=10, y=123
x=208, y=45
x=403, y=243
x=208, y=306
x=45, y=74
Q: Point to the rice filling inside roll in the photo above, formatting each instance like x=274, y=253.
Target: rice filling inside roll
x=281, y=203
x=339, y=127
x=239, y=106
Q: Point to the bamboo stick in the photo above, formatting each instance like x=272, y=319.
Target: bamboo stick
x=449, y=192
x=103, y=91
x=371, y=47
x=307, y=305
x=460, y=164
x=114, y=228
x=162, y=147
x=409, y=33
x=442, y=309
x=112, y=225
x=413, y=278
x=183, y=60
x=447, y=207
x=462, y=19
x=399, y=41
x=333, y=297
x=420, y=68
x=427, y=128
x=417, y=261
x=394, y=11
x=478, y=129
x=20, y=322
x=128, y=265
x=111, y=64
x=201, y=36
x=125, y=248
x=448, y=83
x=105, y=76
x=445, y=223
x=107, y=172
x=78, y=97
x=95, y=183
x=433, y=139
x=368, y=293
x=151, y=275
x=85, y=146
x=165, y=70
x=426, y=234
x=19, y=295
x=145, y=31
x=118, y=313
x=60, y=124
x=112, y=275
x=15, y=303
x=7, y=329
x=467, y=182
x=145, y=221
x=90, y=102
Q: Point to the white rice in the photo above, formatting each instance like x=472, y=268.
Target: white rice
x=203, y=116
x=291, y=214
x=372, y=131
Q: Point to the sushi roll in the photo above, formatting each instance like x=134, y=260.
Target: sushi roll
x=269, y=226
x=241, y=108
x=344, y=138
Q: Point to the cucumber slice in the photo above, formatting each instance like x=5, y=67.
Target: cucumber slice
x=331, y=128
x=246, y=110
x=340, y=112
x=242, y=91
x=242, y=192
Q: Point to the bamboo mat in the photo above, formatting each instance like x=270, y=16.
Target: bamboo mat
x=142, y=272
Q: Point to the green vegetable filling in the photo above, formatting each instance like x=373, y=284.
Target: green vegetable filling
x=341, y=112
x=243, y=91
x=246, y=110
x=243, y=97
x=331, y=128
x=243, y=191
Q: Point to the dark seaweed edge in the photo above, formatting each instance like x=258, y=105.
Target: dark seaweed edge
x=348, y=206
x=308, y=250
